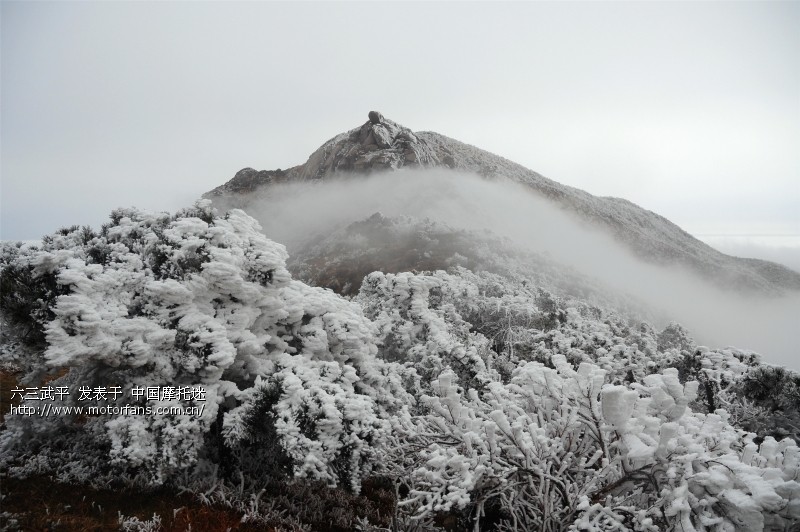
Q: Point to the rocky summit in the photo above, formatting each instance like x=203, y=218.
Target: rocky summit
x=378, y=144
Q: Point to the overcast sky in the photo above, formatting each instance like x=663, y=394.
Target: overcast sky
x=691, y=110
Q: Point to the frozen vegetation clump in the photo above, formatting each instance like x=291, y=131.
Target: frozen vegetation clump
x=193, y=301
x=485, y=400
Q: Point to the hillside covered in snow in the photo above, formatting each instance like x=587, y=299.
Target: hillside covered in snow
x=404, y=333
x=449, y=202
x=481, y=400
x=381, y=144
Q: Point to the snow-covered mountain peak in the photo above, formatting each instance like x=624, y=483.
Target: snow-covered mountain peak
x=380, y=144
x=377, y=144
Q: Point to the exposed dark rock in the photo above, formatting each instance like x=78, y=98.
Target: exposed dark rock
x=247, y=180
x=375, y=117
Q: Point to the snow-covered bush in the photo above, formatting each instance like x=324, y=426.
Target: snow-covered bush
x=419, y=325
x=703, y=471
x=483, y=322
x=195, y=302
x=526, y=445
x=556, y=448
x=542, y=439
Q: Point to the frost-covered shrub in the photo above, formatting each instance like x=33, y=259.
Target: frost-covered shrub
x=703, y=471
x=134, y=524
x=526, y=444
x=26, y=297
x=766, y=400
x=419, y=325
x=545, y=442
x=775, y=388
x=199, y=301
x=674, y=336
x=555, y=447
x=483, y=322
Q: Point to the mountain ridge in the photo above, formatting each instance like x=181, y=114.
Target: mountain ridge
x=381, y=144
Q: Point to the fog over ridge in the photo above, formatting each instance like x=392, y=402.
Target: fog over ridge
x=296, y=213
x=781, y=248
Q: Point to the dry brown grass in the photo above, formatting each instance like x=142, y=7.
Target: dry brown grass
x=39, y=503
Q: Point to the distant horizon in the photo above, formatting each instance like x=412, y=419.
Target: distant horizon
x=763, y=247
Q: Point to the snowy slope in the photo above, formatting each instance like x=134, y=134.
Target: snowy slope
x=497, y=404
x=385, y=145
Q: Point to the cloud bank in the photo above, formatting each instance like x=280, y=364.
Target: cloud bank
x=295, y=214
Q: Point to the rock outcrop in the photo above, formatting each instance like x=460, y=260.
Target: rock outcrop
x=379, y=144
x=247, y=180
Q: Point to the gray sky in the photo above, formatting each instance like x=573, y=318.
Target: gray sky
x=691, y=110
